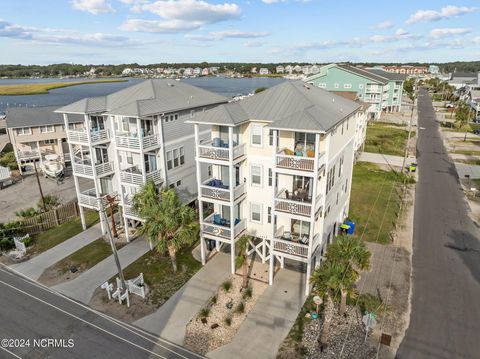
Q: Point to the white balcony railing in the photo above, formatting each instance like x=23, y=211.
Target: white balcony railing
x=290, y=247
x=295, y=162
x=207, y=150
x=292, y=206
x=89, y=170
x=28, y=154
x=135, y=177
x=103, y=168
x=82, y=169
x=82, y=136
x=208, y=227
x=218, y=193
x=88, y=198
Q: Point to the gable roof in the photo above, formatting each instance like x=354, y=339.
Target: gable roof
x=392, y=76
x=289, y=105
x=364, y=73
x=37, y=116
x=146, y=98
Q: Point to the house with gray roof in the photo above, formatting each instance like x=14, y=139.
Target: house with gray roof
x=277, y=167
x=36, y=132
x=132, y=136
x=376, y=86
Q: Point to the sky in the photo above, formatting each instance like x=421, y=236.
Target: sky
x=315, y=31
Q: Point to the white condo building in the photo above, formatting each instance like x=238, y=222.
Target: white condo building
x=278, y=167
x=134, y=135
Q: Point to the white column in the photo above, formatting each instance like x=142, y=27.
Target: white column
x=271, y=269
x=307, y=280
x=275, y=189
x=40, y=153
x=60, y=149
x=82, y=214
x=142, y=159
x=127, y=235
x=231, y=178
x=200, y=203
x=162, y=149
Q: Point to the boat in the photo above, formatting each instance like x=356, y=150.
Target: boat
x=52, y=167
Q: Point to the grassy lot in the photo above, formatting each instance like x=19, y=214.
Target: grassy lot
x=43, y=88
x=86, y=257
x=369, y=183
x=466, y=152
x=57, y=235
x=386, y=139
x=158, y=273
x=450, y=126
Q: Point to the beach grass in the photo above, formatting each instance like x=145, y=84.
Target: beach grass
x=45, y=87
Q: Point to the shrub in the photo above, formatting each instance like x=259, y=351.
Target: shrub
x=227, y=285
x=51, y=201
x=213, y=300
x=204, y=312
x=228, y=320
x=240, y=308
x=8, y=160
x=26, y=213
x=368, y=303
x=247, y=293
x=6, y=244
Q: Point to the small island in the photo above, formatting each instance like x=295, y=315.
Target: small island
x=45, y=87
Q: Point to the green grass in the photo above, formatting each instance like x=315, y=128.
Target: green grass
x=368, y=183
x=43, y=88
x=158, y=273
x=61, y=233
x=466, y=152
x=86, y=257
x=386, y=140
x=469, y=162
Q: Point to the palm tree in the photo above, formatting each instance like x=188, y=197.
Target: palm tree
x=353, y=253
x=241, y=260
x=168, y=223
x=331, y=278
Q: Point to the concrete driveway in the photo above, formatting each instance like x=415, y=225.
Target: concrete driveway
x=25, y=194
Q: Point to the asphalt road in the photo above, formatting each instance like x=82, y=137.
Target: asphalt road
x=445, y=317
x=30, y=312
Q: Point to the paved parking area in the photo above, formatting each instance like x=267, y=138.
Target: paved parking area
x=25, y=193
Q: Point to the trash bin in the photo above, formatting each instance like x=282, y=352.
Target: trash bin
x=351, y=227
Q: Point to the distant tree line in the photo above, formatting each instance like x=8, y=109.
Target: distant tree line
x=57, y=70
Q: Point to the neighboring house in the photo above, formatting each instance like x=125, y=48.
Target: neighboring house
x=314, y=69
x=263, y=71
x=434, y=69
x=197, y=71
x=278, y=167
x=279, y=69
x=297, y=68
x=306, y=69
x=188, y=71
x=134, y=135
x=462, y=79
x=38, y=131
x=407, y=69
x=374, y=86
x=289, y=69
x=253, y=70
x=205, y=71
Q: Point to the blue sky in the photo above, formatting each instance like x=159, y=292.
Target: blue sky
x=150, y=31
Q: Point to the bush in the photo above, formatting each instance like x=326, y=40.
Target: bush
x=204, y=312
x=368, y=303
x=260, y=89
x=240, y=308
x=213, y=300
x=8, y=160
x=26, y=213
x=6, y=244
x=228, y=320
x=227, y=285
x=51, y=201
x=247, y=293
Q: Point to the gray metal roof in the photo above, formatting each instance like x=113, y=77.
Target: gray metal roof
x=146, y=98
x=37, y=116
x=392, y=76
x=364, y=73
x=289, y=105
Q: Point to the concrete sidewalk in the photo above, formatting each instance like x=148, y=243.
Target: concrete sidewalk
x=389, y=160
x=466, y=169
x=171, y=319
x=270, y=320
x=34, y=267
x=82, y=287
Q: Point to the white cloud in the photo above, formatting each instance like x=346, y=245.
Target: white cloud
x=384, y=25
x=93, y=6
x=219, y=35
x=181, y=15
x=476, y=40
x=444, y=13
x=444, y=32
x=272, y=1
x=254, y=43
x=381, y=38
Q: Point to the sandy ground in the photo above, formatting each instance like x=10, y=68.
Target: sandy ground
x=454, y=141
x=200, y=337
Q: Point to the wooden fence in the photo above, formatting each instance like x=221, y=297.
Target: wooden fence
x=50, y=219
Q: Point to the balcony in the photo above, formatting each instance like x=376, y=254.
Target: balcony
x=130, y=142
x=128, y=209
x=83, y=137
x=373, y=89
x=216, y=190
x=297, y=202
x=293, y=244
x=85, y=169
x=298, y=163
x=89, y=199
x=26, y=155
x=216, y=150
x=216, y=226
x=133, y=176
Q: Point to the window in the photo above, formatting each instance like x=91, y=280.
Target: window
x=347, y=86
x=270, y=177
x=24, y=131
x=256, y=212
x=172, y=185
x=175, y=158
x=179, y=183
x=192, y=113
x=360, y=86
x=171, y=117
x=270, y=137
x=269, y=215
x=322, y=85
x=340, y=168
x=129, y=158
x=256, y=175
x=49, y=142
x=256, y=135
x=209, y=171
x=336, y=86
x=45, y=129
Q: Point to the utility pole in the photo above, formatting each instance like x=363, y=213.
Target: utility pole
x=39, y=186
x=112, y=244
x=409, y=126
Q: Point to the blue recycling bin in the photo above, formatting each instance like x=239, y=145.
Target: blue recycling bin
x=351, y=227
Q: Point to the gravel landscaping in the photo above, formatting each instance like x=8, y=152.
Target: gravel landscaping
x=221, y=317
